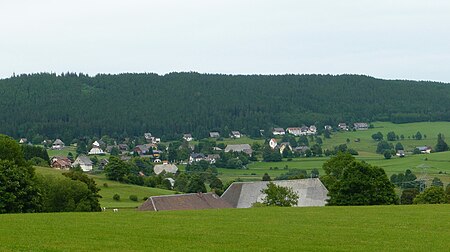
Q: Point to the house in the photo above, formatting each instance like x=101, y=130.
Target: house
x=301, y=149
x=278, y=131
x=246, y=148
x=98, y=144
x=165, y=167
x=235, y=134
x=285, y=145
x=148, y=136
x=141, y=149
x=214, y=134
x=58, y=145
x=188, y=137
x=400, y=153
x=196, y=157
x=273, y=143
x=84, y=162
x=328, y=127
x=190, y=201
x=216, y=149
x=96, y=151
x=23, y=141
x=151, y=139
x=311, y=192
x=104, y=162
x=60, y=163
x=212, y=158
x=342, y=126
x=361, y=126
x=424, y=149
x=294, y=131
x=312, y=130
x=157, y=160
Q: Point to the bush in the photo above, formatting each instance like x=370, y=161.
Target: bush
x=133, y=198
x=116, y=197
x=146, y=198
x=105, y=184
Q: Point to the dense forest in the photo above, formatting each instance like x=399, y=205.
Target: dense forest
x=71, y=105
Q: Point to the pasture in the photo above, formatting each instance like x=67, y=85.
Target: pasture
x=373, y=228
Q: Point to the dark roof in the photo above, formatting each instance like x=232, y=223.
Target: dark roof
x=198, y=155
x=191, y=201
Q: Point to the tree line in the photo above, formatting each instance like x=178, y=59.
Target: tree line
x=69, y=106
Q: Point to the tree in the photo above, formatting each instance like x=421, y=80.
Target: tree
x=216, y=184
x=18, y=190
x=116, y=169
x=266, y=177
x=362, y=184
x=431, y=195
x=408, y=196
x=377, y=136
x=195, y=185
x=398, y=146
x=114, y=151
x=441, y=144
x=279, y=196
x=387, y=154
x=391, y=136
x=418, y=136
x=437, y=182
x=382, y=146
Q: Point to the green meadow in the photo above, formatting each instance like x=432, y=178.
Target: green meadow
x=374, y=228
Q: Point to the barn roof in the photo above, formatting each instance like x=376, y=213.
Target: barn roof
x=243, y=194
x=190, y=201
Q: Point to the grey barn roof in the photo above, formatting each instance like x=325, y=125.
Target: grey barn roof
x=190, y=201
x=311, y=192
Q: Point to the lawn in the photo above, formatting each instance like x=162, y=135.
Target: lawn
x=107, y=193
x=375, y=228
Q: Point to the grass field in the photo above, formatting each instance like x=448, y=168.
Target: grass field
x=107, y=193
x=375, y=228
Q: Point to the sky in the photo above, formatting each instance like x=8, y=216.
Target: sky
x=390, y=39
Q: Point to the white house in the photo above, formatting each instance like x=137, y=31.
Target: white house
x=84, y=162
x=296, y=131
x=188, y=137
x=214, y=134
x=273, y=143
x=58, y=145
x=278, y=131
x=235, y=134
x=96, y=151
x=165, y=167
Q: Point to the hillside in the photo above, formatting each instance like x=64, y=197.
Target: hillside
x=374, y=228
x=107, y=193
x=75, y=105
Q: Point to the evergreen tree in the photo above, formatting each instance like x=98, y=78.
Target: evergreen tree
x=441, y=144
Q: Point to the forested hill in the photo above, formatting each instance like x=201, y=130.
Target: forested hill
x=74, y=105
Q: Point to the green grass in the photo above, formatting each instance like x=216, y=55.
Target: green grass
x=124, y=190
x=376, y=228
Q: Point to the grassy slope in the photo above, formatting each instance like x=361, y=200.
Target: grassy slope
x=124, y=190
x=376, y=228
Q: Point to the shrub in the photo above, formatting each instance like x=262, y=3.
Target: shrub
x=146, y=198
x=105, y=184
x=116, y=197
x=133, y=198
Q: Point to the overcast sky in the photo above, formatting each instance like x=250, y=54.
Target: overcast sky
x=394, y=39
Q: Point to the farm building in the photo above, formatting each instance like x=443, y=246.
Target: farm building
x=190, y=201
x=311, y=192
x=165, y=167
x=84, y=162
x=246, y=148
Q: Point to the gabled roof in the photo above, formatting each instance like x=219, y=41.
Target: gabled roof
x=83, y=159
x=165, y=167
x=278, y=129
x=311, y=192
x=197, y=155
x=58, y=142
x=238, y=147
x=214, y=134
x=191, y=201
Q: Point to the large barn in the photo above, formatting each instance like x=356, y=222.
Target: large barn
x=311, y=192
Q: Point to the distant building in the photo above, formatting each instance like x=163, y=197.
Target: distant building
x=190, y=201
x=342, y=126
x=58, y=145
x=311, y=192
x=84, y=162
x=60, y=163
x=188, y=137
x=278, y=131
x=361, y=126
x=168, y=168
x=23, y=141
x=246, y=148
x=214, y=134
x=296, y=131
x=235, y=134
x=424, y=149
x=273, y=143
